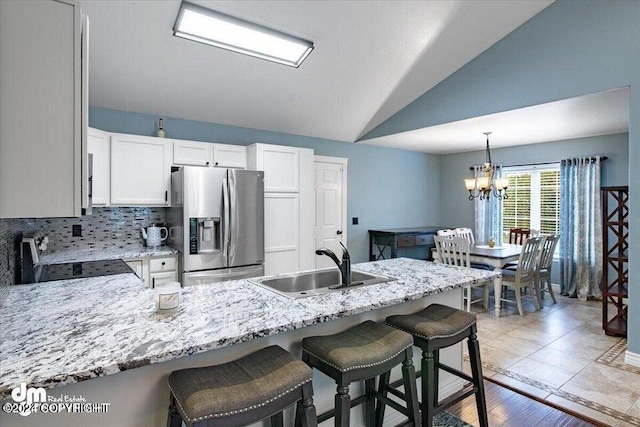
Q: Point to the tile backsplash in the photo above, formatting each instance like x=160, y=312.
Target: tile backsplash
x=106, y=227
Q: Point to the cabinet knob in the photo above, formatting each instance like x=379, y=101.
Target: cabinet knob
x=207, y=163
x=339, y=232
x=163, y=262
x=216, y=163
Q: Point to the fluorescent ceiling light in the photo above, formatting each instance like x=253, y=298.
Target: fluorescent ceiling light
x=217, y=29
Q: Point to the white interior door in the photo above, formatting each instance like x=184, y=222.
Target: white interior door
x=331, y=207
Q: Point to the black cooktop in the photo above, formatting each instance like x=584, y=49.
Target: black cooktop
x=79, y=270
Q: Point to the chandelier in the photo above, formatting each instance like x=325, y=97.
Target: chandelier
x=482, y=187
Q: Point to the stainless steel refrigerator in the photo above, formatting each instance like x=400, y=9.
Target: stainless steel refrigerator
x=216, y=221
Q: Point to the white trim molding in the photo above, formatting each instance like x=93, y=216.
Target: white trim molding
x=632, y=359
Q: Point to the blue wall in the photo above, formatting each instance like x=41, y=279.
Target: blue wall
x=455, y=167
x=571, y=48
x=387, y=188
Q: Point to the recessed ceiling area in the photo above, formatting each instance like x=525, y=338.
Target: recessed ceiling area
x=370, y=59
x=601, y=113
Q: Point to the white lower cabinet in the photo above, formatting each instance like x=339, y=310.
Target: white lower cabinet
x=140, y=170
x=159, y=278
x=155, y=270
x=136, y=266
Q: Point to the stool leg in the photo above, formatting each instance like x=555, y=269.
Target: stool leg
x=343, y=406
x=478, y=382
x=428, y=388
x=410, y=391
x=382, y=389
x=370, y=403
x=436, y=376
x=174, y=419
x=306, y=410
x=277, y=420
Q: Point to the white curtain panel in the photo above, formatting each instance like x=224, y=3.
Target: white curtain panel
x=488, y=213
x=580, y=228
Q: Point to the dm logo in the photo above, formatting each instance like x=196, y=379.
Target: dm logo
x=22, y=394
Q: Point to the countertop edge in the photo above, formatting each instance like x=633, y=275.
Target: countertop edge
x=95, y=371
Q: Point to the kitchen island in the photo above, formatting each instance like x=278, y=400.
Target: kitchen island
x=67, y=332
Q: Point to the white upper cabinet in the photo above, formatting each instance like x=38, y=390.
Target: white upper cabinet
x=192, y=153
x=98, y=144
x=41, y=109
x=281, y=166
x=229, y=156
x=140, y=170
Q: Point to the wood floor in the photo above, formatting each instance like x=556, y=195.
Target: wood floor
x=510, y=409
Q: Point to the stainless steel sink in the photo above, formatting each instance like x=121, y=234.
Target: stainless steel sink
x=301, y=285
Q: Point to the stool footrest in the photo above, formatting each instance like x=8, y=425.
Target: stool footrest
x=455, y=372
x=396, y=392
x=395, y=405
x=456, y=397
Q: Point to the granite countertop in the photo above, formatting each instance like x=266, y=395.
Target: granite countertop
x=87, y=328
x=98, y=254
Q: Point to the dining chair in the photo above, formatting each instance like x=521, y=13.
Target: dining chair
x=455, y=251
x=518, y=236
x=448, y=232
x=543, y=271
x=525, y=273
x=467, y=233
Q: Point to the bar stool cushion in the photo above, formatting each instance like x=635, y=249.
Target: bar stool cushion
x=435, y=321
x=238, y=386
x=365, y=345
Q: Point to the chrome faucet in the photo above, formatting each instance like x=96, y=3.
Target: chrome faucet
x=344, y=265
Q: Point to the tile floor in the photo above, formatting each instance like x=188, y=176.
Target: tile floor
x=560, y=354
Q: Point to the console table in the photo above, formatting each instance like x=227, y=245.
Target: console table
x=399, y=238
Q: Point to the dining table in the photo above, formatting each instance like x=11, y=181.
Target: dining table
x=497, y=257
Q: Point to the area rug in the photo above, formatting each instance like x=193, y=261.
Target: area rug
x=608, y=358
x=445, y=419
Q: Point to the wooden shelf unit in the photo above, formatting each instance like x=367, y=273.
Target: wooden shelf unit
x=615, y=266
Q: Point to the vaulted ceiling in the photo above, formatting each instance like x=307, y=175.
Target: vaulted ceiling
x=371, y=59
x=601, y=113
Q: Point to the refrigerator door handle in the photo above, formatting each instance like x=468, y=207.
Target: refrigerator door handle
x=233, y=205
x=226, y=220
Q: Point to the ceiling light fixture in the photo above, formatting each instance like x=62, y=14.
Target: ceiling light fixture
x=483, y=186
x=204, y=25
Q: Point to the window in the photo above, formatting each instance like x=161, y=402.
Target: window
x=534, y=199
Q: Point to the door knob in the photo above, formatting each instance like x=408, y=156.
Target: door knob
x=339, y=232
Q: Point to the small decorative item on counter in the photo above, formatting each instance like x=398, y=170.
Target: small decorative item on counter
x=492, y=242
x=168, y=296
x=160, y=132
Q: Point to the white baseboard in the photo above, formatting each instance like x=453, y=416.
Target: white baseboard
x=632, y=359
